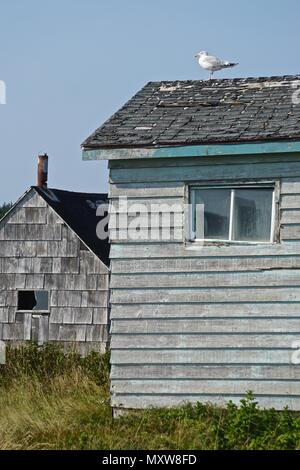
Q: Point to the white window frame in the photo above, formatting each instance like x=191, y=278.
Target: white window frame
x=232, y=187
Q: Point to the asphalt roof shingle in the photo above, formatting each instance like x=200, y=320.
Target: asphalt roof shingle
x=78, y=210
x=203, y=112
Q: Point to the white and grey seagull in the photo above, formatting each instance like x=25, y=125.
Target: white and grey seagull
x=212, y=63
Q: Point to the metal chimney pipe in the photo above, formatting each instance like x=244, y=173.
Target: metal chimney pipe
x=42, y=171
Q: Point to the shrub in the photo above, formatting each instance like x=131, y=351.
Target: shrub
x=4, y=208
x=249, y=427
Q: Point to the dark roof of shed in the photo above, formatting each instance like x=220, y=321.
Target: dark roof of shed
x=78, y=210
x=201, y=112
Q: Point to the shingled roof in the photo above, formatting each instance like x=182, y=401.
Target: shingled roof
x=203, y=112
x=78, y=210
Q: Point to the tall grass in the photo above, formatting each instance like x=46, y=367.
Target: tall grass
x=49, y=400
x=49, y=361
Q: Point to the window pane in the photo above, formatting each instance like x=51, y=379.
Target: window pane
x=216, y=213
x=26, y=300
x=41, y=298
x=33, y=300
x=252, y=214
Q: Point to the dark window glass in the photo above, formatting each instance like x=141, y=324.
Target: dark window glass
x=33, y=300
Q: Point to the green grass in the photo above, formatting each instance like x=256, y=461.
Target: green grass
x=49, y=400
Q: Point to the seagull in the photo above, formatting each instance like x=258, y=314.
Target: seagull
x=212, y=63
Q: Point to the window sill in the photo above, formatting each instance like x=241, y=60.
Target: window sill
x=35, y=312
x=200, y=243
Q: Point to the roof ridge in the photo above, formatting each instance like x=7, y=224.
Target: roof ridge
x=71, y=192
x=259, y=77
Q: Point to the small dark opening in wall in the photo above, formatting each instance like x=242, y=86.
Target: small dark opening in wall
x=33, y=300
x=83, y=247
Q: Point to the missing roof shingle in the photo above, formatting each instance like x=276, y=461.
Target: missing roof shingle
x=199, y=104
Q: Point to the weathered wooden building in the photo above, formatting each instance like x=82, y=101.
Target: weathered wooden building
x=214, y=310
x=54, y=271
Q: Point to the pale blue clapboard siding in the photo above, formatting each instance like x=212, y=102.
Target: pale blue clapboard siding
x=206, y=171
x=145, y=400
x=210, y=323
x=213, y=310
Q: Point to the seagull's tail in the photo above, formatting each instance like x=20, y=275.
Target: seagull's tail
x=230, y=64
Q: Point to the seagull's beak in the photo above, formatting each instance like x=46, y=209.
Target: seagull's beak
x=196, y=56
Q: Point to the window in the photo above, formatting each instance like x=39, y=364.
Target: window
x=233, y=214
x=35, y=300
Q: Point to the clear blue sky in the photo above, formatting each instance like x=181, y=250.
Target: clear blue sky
x=69, y=64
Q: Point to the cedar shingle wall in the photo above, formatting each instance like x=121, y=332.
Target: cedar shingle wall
x=38, y=251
